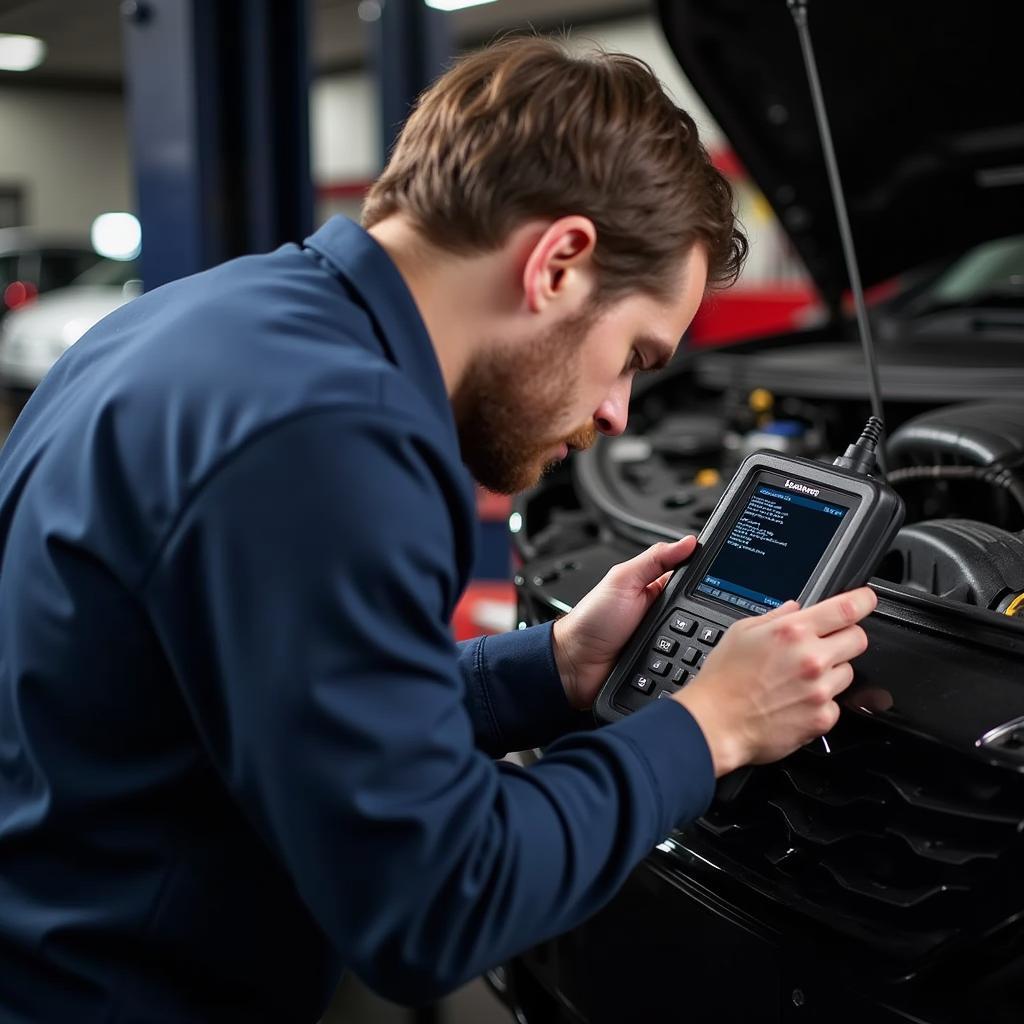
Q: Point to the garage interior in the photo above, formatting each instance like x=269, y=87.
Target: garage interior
x=873, y=875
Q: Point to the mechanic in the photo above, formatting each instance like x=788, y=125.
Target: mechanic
x=239, y=751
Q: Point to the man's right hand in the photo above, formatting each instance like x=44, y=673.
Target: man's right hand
x=771, y=683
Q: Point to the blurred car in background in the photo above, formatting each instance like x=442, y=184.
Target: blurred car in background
x=34, y=336
x=32, y=263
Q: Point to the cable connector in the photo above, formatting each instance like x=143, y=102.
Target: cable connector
x=860, y=456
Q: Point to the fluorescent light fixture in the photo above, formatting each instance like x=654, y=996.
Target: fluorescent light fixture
x=118, y=236
x=21, y=53
x=455, y=5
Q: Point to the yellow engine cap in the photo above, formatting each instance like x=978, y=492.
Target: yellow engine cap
x=760, y=400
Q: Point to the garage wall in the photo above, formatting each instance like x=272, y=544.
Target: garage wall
x=68, y=152
x=643, y=38
x=344, y=109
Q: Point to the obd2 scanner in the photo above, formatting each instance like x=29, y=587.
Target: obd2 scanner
x=785, y=528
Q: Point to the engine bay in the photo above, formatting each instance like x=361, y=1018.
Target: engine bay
x=901, y=832
x=959, y=465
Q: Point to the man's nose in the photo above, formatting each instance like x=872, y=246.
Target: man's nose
x=611, y=415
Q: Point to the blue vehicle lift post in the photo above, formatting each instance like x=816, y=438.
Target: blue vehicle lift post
x=218, y=98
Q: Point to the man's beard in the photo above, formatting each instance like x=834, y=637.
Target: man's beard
x=508, y=402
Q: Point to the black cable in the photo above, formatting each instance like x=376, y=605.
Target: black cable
x=862, y=455
x=799, y=9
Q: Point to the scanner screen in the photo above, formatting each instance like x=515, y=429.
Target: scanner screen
x=772, y=548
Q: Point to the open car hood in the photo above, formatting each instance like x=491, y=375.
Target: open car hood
x=925, y=106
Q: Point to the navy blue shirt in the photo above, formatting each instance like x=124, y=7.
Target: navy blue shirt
x=239, y=751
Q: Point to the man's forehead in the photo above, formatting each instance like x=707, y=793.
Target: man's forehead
x=669, y=316
x=691, y=284
x=692, y=275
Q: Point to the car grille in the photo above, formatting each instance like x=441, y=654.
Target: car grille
x=910, y=847
x=905, y=845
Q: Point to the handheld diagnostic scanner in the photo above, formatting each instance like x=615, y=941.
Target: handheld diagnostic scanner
x=786, y=528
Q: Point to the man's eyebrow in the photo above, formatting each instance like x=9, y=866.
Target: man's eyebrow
x=663, y=349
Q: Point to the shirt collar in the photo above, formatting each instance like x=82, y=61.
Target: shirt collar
x=358, y=258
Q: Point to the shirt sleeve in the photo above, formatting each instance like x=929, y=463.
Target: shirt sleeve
x=301, y=598
x=514, y=693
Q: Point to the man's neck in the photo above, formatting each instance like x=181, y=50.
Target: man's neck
x=450, y=293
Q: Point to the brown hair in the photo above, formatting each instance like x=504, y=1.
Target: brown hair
x=524, y=129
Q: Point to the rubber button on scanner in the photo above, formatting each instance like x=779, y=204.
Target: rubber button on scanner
x=680, y=623
x=679, y=676
x=710, y=636
x=666, y=645
x=642, y=682
x=691, y=655
x=659, y=666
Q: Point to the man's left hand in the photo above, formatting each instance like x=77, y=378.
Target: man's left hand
x=589, y=640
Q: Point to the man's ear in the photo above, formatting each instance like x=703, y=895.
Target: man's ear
x=559, y=269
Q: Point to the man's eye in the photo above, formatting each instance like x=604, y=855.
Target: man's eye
x=636, y=363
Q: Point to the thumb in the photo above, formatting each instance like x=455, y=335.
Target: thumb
x=655, y=588
x=657, y=560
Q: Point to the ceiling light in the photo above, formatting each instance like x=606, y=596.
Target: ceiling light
x=20, y=53
x=455, y=5
x=369, y=10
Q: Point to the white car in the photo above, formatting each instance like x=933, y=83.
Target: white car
x=33, y=337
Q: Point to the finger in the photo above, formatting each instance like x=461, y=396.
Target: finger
x=829, y=715
x=845, y=644
x=841, y=611
x=658, y=559
x=775, y=613
x=837, y=679
x=754, y=621
x=821, y=723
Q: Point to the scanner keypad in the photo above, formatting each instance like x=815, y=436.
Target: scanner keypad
x=691, y=655
x=667, y=665
x=666, y=645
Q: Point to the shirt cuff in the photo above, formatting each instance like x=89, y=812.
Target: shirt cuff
x=518, y=674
